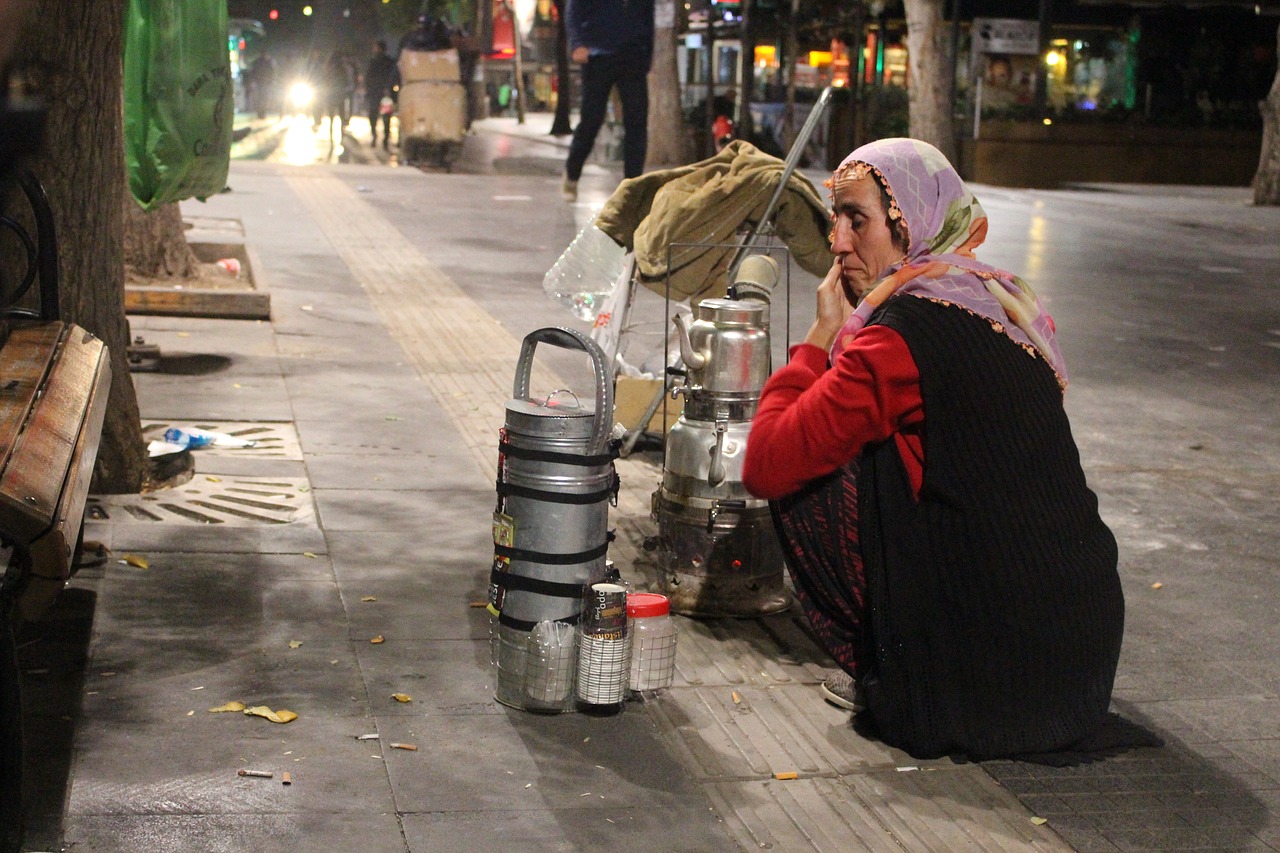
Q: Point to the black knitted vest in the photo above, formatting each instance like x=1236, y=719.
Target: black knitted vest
x=996, y=611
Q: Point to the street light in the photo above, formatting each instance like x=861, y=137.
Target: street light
x=306, y=10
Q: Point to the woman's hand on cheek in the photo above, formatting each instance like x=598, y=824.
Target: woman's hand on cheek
x=833, y=308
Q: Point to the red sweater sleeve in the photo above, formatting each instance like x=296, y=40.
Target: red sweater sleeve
x=812, y=419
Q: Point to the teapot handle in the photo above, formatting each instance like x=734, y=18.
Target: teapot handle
x=572, y=339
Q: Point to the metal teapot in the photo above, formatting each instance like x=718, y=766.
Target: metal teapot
x=725, y=349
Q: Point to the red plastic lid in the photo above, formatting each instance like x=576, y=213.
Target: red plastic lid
x=642, y=604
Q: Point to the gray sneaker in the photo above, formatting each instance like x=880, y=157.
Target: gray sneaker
x=569, y=190
x=840, y=690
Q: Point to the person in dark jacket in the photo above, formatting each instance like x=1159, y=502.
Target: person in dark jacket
x=380, y=79
x=926, y=487
x=613, y=42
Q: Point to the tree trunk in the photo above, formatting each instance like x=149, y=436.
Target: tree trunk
x=790, y=56
x=155, y=245
x=666, y=148
x=560, y=125
x=1266, y=183
x=930, y=69
x=82, y=169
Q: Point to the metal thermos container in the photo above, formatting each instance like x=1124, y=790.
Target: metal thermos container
x=556, y=480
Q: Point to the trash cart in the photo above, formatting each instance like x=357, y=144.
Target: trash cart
x=432, y=106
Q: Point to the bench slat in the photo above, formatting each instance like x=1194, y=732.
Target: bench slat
x=24, y=361
x=52, y=553
x=32, y=482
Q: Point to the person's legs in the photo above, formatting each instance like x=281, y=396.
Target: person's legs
x=374, y=115
x=597, y=80
x=818, y=530
x=633, y=89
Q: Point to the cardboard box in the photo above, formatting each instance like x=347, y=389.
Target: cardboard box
x=432, y=110
x=631, y=396
x=441, y=65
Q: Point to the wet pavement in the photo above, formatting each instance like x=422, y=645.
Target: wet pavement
x=399, y=298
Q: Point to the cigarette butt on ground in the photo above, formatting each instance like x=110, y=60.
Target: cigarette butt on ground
x=286, y=778
x=261, y=774
x=736, y=698
x=412, y=747
x=785, y=775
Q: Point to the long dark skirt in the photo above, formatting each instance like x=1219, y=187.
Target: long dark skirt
x=818, y=529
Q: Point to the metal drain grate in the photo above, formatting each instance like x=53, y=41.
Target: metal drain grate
x=225, y=500
x=273, y=439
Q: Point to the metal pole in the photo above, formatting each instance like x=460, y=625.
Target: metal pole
x=764, y=225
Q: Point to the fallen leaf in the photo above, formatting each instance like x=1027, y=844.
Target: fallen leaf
x=378, y=639
x=293, y=644
x=412, y=747
x=236, y=385
x=786, y=775
x=402, y=697
x=135, y=560
x=1157, y=585
x=1039, y=821
x=281, y=716
x=369, y=598
x=191, y=713
x=230, y=706
x=394, y=418
x=214, y=479
x=309, y=554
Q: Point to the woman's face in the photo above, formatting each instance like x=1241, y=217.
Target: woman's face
x=861, y=237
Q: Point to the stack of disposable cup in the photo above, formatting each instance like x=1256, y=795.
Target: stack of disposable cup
x=604, y=648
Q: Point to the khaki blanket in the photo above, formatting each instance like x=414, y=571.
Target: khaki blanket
x=709, y=203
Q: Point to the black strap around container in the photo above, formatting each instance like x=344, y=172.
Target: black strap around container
x=552, y=559
x=508, y=489
x=523, y=583
x=517, y=452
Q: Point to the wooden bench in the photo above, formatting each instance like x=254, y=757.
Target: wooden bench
x=54, y=383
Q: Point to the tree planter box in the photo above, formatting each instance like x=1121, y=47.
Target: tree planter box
x=1023, y=154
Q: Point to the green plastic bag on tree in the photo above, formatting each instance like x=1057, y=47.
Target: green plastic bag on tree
x=179, y=103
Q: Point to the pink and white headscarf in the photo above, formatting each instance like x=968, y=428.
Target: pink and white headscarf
x=944, y=225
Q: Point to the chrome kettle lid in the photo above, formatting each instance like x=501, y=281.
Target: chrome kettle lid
x=733, y=312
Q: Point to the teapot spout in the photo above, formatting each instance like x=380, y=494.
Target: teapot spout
x=692, y=359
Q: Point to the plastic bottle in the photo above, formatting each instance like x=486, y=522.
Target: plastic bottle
x=189, y=438
x=584, y=275
x=653, y=641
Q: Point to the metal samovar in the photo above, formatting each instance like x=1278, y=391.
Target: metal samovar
x=716, y=548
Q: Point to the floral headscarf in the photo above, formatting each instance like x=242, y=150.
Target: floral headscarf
x=944, y=224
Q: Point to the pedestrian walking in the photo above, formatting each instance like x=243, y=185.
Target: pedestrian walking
x=926, y=486
x=613, y=42
x=380, y=79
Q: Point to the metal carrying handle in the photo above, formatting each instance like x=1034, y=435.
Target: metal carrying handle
x=565, y=338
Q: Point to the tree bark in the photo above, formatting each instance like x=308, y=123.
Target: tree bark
x=155, y=244
x=79, y=43
x=930, y=69
x=560, y=125
x=790, y=56
x=666, y=148
x=1266, y=183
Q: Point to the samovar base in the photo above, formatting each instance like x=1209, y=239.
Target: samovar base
x=735, y=570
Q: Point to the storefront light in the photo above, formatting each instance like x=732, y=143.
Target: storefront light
x=1052, y=58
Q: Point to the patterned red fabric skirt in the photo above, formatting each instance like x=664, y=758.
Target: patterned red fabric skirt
x=818, y=529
